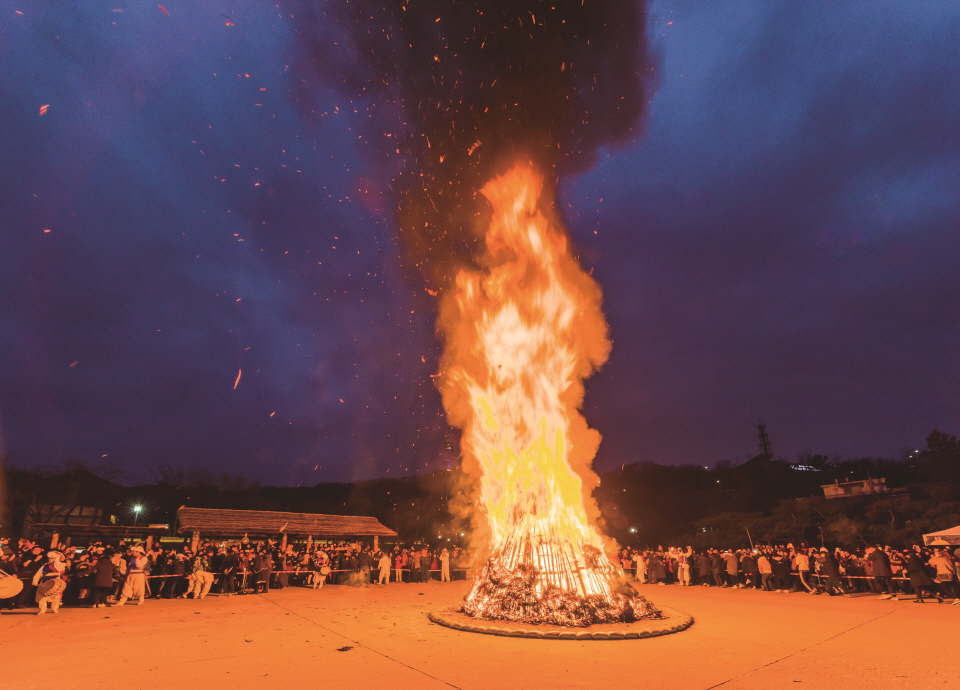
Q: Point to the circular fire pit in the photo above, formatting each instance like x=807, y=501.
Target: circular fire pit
x=673, y=622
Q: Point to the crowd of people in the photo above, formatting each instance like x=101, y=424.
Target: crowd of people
x=100, y=574
x=921, y=572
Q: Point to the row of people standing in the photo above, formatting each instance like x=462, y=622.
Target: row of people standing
x=933, y=572
x=100, y=574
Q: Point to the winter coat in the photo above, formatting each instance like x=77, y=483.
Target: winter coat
x=657, y=569
x=103, y=573
x=918, y=576
x=780, y=567
x=881, y=564
x=829, y=565
x=705, y=568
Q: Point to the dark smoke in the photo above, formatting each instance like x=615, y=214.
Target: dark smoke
x=451, y=91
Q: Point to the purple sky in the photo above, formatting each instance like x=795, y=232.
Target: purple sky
x=782, y=242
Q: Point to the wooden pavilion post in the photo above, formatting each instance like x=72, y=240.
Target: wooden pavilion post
x=309, y=541
x=283, y=543
x=195, y=543
x=54, y=540
x=376, y=542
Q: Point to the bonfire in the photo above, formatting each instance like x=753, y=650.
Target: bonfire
x=521, y=335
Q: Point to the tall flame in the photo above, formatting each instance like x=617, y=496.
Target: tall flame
x=520, y=337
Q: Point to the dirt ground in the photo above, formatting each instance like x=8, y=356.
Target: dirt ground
x=379, y=636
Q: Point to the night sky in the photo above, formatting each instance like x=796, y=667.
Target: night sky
x=779, y=240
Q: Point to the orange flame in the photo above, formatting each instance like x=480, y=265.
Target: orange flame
x=520, y=337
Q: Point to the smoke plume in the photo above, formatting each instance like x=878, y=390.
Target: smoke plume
x=450, y=92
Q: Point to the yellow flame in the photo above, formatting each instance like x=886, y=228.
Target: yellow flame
x=520, y=337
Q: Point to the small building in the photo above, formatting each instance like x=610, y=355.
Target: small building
x=223, y=523
x=77, y=497
x=860, y=487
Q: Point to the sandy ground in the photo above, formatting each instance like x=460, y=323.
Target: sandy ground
x=347, y=637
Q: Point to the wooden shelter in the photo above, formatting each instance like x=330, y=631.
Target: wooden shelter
x=58, y=530
x=216, y=522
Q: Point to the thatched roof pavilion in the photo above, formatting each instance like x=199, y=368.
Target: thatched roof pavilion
x=216, y=522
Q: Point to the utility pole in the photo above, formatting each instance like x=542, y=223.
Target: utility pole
x=764, y=440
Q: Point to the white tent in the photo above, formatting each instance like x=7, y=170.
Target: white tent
x=948, y=536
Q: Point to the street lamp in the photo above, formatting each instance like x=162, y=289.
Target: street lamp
x=137, y=509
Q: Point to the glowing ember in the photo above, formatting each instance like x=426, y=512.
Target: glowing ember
x=520, y=337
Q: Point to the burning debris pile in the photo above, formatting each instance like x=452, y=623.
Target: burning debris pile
x=521, y=334
x=525, y=593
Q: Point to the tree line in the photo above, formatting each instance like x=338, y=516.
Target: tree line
x=764, y=500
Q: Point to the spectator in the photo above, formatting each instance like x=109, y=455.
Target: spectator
x=919, y=580
x=882, y=572
x=656, y=570
x=946, y=575
x=801, y=563
x=704, y=569
x=717, y=567
x=103, y=579
x=444, y=566
x=780, y=567
x=426, y=561
x=831, y=570
x=749, y=571
x=733, y=566
x=119, y=572
x=82, y=577
x=766, y=572
x=230, y=563
x=365, y=564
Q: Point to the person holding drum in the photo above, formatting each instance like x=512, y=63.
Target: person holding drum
x=10, y=583
x=49, y=583
x=321, y=566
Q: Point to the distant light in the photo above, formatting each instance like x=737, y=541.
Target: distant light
x=633, y=530
x=137, y=508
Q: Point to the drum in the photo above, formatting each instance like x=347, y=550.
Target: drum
x=10, y=587
x=325, y=570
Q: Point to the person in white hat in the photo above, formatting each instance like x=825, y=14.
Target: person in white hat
x=134, y=587
x=384, y=564
x=49, y=583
